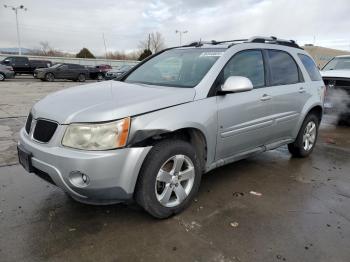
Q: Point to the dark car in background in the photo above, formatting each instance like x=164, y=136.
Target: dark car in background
x=336, y=76
x=98, y=72
x=6, y=72
x=63, y=71
x=22, y=65
x=116, y=73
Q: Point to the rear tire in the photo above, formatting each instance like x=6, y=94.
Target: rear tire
x=169, y=178
x=306, y=140
x=49, y=77
x=81, y=78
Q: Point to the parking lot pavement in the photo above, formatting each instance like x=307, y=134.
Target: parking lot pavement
x=266, y=208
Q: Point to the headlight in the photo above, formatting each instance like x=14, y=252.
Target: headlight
x=97, y=136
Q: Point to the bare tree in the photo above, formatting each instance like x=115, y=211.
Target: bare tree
x=45, y=49
x=119, y=55
x=154, y=42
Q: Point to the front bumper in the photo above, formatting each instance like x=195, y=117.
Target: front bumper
x=112, y=174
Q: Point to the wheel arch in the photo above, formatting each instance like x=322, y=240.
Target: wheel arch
x=193, y=135
x=317, y=109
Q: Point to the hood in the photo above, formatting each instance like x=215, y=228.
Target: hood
x=108, y=100
x=336, y=73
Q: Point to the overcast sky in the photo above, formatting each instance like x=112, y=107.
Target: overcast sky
x=71, y=25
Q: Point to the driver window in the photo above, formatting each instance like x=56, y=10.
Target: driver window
x=249, y=64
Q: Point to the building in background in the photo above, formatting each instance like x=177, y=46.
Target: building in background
x=322, y=55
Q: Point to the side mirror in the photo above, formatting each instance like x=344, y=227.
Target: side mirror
x=235, y=84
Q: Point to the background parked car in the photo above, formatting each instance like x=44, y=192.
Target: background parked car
x=115, y=73
x=336, y=75
x=6, y=72
x=98, y=72
x=22, y=65
x=62, y=71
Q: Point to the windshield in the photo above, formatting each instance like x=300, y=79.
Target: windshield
x=125, y=67
x=56, y=65
x=338, y=63
x=176, y=67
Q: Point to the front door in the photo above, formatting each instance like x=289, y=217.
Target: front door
x=62, y=72
x=243, y=118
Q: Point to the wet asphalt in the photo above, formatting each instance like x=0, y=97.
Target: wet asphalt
x=299, y=209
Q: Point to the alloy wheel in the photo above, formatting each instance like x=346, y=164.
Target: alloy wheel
x=309, y=136
x=174, y=180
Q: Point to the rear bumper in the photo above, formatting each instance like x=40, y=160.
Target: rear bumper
x=112, y=174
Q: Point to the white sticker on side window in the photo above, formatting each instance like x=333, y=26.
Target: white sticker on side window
x=211, y=54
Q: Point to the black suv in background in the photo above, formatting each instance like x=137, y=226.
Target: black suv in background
x=22, y=65
x=62, y=71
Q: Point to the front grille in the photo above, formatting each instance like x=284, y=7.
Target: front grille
x=29, y=123
x=44, y=130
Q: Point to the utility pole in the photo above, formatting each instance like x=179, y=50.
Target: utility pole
x=180, y=33
x=104, y=42
x=15, y=9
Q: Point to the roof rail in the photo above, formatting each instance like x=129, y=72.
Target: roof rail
x=214, y=42
x=273, y=40
x=255, y=39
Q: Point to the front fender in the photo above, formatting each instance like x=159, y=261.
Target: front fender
x=201, y=115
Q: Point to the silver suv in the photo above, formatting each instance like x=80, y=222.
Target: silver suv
x=176, y=115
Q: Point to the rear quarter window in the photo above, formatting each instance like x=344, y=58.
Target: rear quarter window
x=310, y=67
x=284, y=70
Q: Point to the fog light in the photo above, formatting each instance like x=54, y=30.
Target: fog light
x=79, y=179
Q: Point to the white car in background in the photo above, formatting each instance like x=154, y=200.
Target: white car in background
x=336, y=76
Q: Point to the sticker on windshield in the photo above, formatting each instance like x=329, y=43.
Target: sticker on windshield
x=211, y=54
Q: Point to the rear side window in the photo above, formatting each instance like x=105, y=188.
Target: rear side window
x=310, y=67
x=284, y=70
x=249, y=64
x=20, y=60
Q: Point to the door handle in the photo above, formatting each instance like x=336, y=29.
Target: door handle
x=265, y=97
x=302, y=90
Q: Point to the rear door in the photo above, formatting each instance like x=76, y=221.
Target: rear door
x=74, y=71
x=289, y=93
x=243, y=122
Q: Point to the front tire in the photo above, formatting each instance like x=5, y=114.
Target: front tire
x=2, y=77
x=169, y=178
x=49, y=77
x=307, y=137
